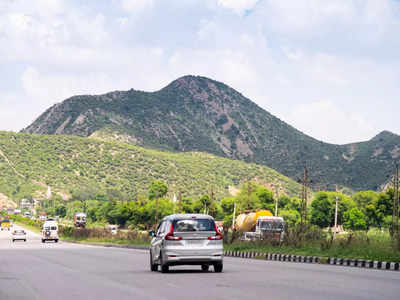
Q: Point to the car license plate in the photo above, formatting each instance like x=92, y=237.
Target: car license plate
x=193, y=242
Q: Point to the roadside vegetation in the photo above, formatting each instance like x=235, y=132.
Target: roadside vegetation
x=365, y=218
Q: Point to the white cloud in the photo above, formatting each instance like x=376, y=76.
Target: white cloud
x=133, y=6
x=238, y=6
x=325, y=121
x=283, y=55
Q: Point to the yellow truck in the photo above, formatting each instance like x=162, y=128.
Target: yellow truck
x=5, y=224
x=260, y=225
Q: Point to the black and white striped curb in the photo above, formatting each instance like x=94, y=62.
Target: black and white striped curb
x=360, y=263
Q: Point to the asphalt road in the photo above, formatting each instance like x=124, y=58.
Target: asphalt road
x=33, y=270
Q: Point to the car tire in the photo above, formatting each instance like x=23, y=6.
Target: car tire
x=43, y=240
x=13, y=241
x=205, y=268
x=24, y=240
x=153, y=267
x=218, y=268
x=56, y=241
x=164, y=267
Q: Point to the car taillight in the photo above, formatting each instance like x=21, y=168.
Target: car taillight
x=170, y=235
x=218, y=236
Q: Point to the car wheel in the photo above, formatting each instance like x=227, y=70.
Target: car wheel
x=56, y=241
x=13, y=241
x=43, y=240
x=153, y=267
x=205, y=268
x=25, y=240
x=164, y=267
x=218, y=267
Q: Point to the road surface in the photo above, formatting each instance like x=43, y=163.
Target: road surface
x=33, y=270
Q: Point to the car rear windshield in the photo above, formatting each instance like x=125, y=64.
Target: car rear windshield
x=190, y=225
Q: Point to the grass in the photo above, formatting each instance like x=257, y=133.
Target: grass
x=29, y=227
x=372, y=246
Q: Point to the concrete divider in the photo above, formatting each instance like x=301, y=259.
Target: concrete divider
x=360, y=263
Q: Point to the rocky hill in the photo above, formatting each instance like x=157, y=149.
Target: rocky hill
x=200, y=114
x=36, y=165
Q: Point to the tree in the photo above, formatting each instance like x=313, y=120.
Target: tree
x=265, y=198
x=157, y=189
x=322, y=210
x=384, y=204
x=187, y=205
x=247, y=198
x=291, y=217
x=354, y=219
x=294, y=203
x=61, y=211
x=364, y=198
x=73, y=207
x=227, y=205
x=373, y=216
x=205, y=201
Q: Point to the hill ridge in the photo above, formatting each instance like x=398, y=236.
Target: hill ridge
x=195, y=113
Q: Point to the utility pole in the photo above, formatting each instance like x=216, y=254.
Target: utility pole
x=248, y=195
x=305, y=182
x=234, y=216
x=156, y=214
x=276, y=200
x=336, y=212
x=180, y=202
x=395, y=215
x=211, y=198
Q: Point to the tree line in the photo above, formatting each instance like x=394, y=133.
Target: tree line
x=361, y=211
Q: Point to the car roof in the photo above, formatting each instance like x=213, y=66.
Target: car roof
x=187, y=216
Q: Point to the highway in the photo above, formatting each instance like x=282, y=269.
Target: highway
x=33, y=270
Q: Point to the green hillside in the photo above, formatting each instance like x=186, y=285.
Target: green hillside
x=31, y=163
x=199, y=114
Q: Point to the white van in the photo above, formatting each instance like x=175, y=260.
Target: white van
x=50, y=231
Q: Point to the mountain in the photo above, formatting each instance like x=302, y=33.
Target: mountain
x=37, y=165
x=199, y=114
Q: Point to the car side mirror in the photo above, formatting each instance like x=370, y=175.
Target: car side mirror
x=152, y=234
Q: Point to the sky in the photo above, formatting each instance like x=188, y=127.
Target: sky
x=329, y=68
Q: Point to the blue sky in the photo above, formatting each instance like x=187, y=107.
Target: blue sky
x=329, y=68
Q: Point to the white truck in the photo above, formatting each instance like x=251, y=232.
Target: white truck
x=50, y=231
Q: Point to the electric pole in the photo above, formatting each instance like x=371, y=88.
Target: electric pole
x=180, y=202
x=336, y=212
x=276, y=200
x=211, y=198
x=305, y=182
x=156, y=214
x=395, y=215
x=234, y=216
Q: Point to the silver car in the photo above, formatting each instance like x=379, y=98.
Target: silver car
x=186, y=239
x=18, y=235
